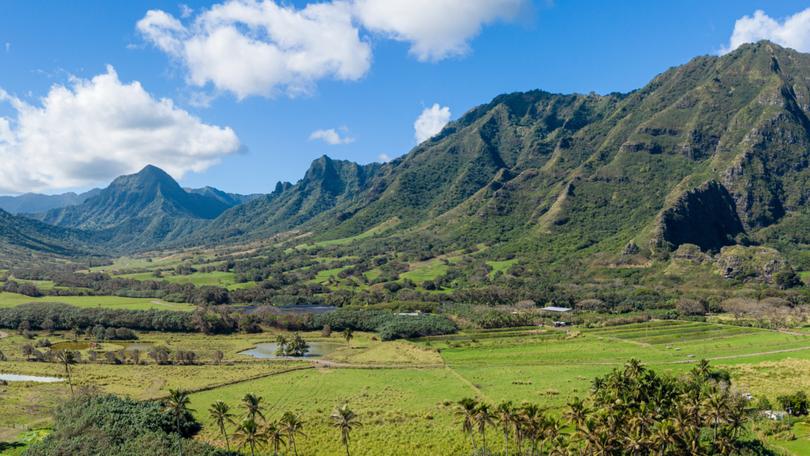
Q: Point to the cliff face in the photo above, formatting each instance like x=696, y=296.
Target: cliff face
x=705, y=216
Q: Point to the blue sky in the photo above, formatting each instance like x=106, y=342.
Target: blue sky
x=560, y=46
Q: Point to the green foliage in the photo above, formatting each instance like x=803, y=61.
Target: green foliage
x=110, y=425
x=795, y=404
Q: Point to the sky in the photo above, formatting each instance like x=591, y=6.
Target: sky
x=240, y=94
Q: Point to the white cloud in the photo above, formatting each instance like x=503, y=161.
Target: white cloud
x=90, y=131
x=260, y=48
x=793, y=32
x=332, y=136
x=385, y=158
x=266, y=47
x=430, y=122
x=185, y=10
x=8, y=46
x=436, y=29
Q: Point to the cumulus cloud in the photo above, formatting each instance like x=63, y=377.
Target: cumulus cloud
x=385, y=158
x=436, y=29
x=332, y=136
x=260, y=48
x=8, y=46
x=430, y=122
x=265, y=47
x=793, y=31
x=90, y=131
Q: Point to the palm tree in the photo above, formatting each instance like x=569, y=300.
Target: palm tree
x=716, y=405
x=275, y=435
x=67, y=357
x=483, y=417
x=467, y=407
x=177, y=405
x=345, y=420
x=220, y=413
x=348, y=334
x=249, y=434
x=664, y=436
x=292, y=425
x=505, y=414
x=253, y=405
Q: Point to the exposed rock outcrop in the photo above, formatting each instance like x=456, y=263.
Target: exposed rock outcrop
x=705, y=216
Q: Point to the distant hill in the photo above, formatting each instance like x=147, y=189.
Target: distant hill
x=32, y=203
x=142, y=210
x=22, y=238
x=230, y=199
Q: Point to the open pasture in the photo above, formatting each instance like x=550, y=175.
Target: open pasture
x=404, y=391
x=112, y=302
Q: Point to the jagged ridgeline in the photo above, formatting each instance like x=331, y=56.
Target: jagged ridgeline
x=711, y=153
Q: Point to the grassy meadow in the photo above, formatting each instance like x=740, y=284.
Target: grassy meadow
x=404, y=391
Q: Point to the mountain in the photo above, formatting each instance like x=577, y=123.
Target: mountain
x=141, y=210
x=711, y=153
x=22, y=238
x=32, y=203
x=229, y=199
x=326, y=185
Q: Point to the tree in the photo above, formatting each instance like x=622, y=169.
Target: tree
x=345, y=420
x=505, y=414
x=275, y=436
x=217, y=356
x=292, y=426
x=67, y=357
x=348, y=334
x=467, y=408
x=221, y=414
x=177, y=405
x=253, y=406
x=28, y=351
x=249, y=434
x=795, y=404
x=483, y=417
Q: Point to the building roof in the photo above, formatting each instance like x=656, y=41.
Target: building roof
x=557, y=309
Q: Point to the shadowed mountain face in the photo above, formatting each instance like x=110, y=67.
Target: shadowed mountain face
x=708, y=153
x=23, y=238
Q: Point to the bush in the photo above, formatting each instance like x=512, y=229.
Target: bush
x=795, y=404
x=114, y=426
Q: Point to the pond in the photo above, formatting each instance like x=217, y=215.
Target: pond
x=300, y=309
x=29, y=378
x=268, y=350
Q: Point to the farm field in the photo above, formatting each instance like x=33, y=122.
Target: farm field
x=405, y=391
x=113, y=302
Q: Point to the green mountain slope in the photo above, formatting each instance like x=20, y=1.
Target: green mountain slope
x=32, y=203
x=712, y=153
x=141, y=211
x=22, y=238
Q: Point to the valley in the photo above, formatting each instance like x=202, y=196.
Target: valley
x=588, y=274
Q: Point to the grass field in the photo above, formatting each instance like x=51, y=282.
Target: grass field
x=112, y=302
x=427, y=270
x=404, y=391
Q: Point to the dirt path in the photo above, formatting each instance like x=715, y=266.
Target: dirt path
x=744, y=355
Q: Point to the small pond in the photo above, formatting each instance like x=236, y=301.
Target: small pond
x=268, y=350
x=288, y=310
x=29, y=378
